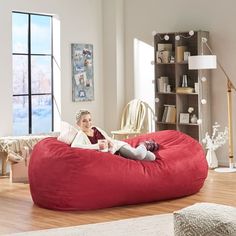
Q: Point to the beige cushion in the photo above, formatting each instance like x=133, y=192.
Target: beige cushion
x=68, y=133
x=205, y=219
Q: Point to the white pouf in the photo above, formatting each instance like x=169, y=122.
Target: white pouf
x=205, y=219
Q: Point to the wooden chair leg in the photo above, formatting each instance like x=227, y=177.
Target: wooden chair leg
x=3, y=155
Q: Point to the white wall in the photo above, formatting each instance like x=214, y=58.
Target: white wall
x=81, y=22
x=142, y=17
x=113, y=61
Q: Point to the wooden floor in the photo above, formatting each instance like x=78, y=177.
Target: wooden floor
x=19, y=214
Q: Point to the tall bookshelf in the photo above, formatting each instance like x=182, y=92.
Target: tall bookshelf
x=171, y=89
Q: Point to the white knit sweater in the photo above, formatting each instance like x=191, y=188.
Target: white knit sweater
x=82, y=141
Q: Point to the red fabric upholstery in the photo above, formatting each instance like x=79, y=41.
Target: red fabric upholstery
x=66, y=178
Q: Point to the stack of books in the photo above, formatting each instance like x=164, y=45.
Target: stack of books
x=169, y=114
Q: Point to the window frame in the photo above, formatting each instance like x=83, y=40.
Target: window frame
x=29, y=56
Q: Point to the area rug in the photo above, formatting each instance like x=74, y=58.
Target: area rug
x=157, y=225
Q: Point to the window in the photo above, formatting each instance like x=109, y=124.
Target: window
x=32, y=53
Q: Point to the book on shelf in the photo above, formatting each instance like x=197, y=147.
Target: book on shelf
x=164, y=113
x=169, y=114
x=162, y=83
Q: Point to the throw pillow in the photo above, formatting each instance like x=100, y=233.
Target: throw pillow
x=68, y=133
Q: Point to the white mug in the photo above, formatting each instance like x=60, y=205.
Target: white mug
x=168, y=89
x=103, y=145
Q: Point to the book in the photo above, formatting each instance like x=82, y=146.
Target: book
x=164, y=113
x=169, y=114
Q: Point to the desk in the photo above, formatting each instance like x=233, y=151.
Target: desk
x=17, y=143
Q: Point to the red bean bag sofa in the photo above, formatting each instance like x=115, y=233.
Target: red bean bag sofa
x=66, y=178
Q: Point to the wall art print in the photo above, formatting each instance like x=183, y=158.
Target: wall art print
x=82, y=72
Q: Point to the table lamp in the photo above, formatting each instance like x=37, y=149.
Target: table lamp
x=200, y=62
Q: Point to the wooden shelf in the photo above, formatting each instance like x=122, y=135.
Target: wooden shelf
x=173, y=63
x=189, y=124
x=172, y=74
x=187, y=94
x=166, y=93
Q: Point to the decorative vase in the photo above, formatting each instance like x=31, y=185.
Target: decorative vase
x=211, y=159
x=193, y=119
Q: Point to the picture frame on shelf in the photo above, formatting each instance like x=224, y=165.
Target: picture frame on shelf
x=184, y=118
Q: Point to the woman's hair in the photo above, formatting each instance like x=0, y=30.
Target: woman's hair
x=80, y=113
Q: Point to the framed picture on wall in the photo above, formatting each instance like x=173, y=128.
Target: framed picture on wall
x=82, y=72
x=184, y=118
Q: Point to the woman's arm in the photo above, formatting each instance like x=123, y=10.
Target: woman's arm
x=81, y=141
x=114, y=145
x=109, y=139
x=85, y=146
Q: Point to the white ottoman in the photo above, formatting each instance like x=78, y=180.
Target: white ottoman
x=205, y=219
